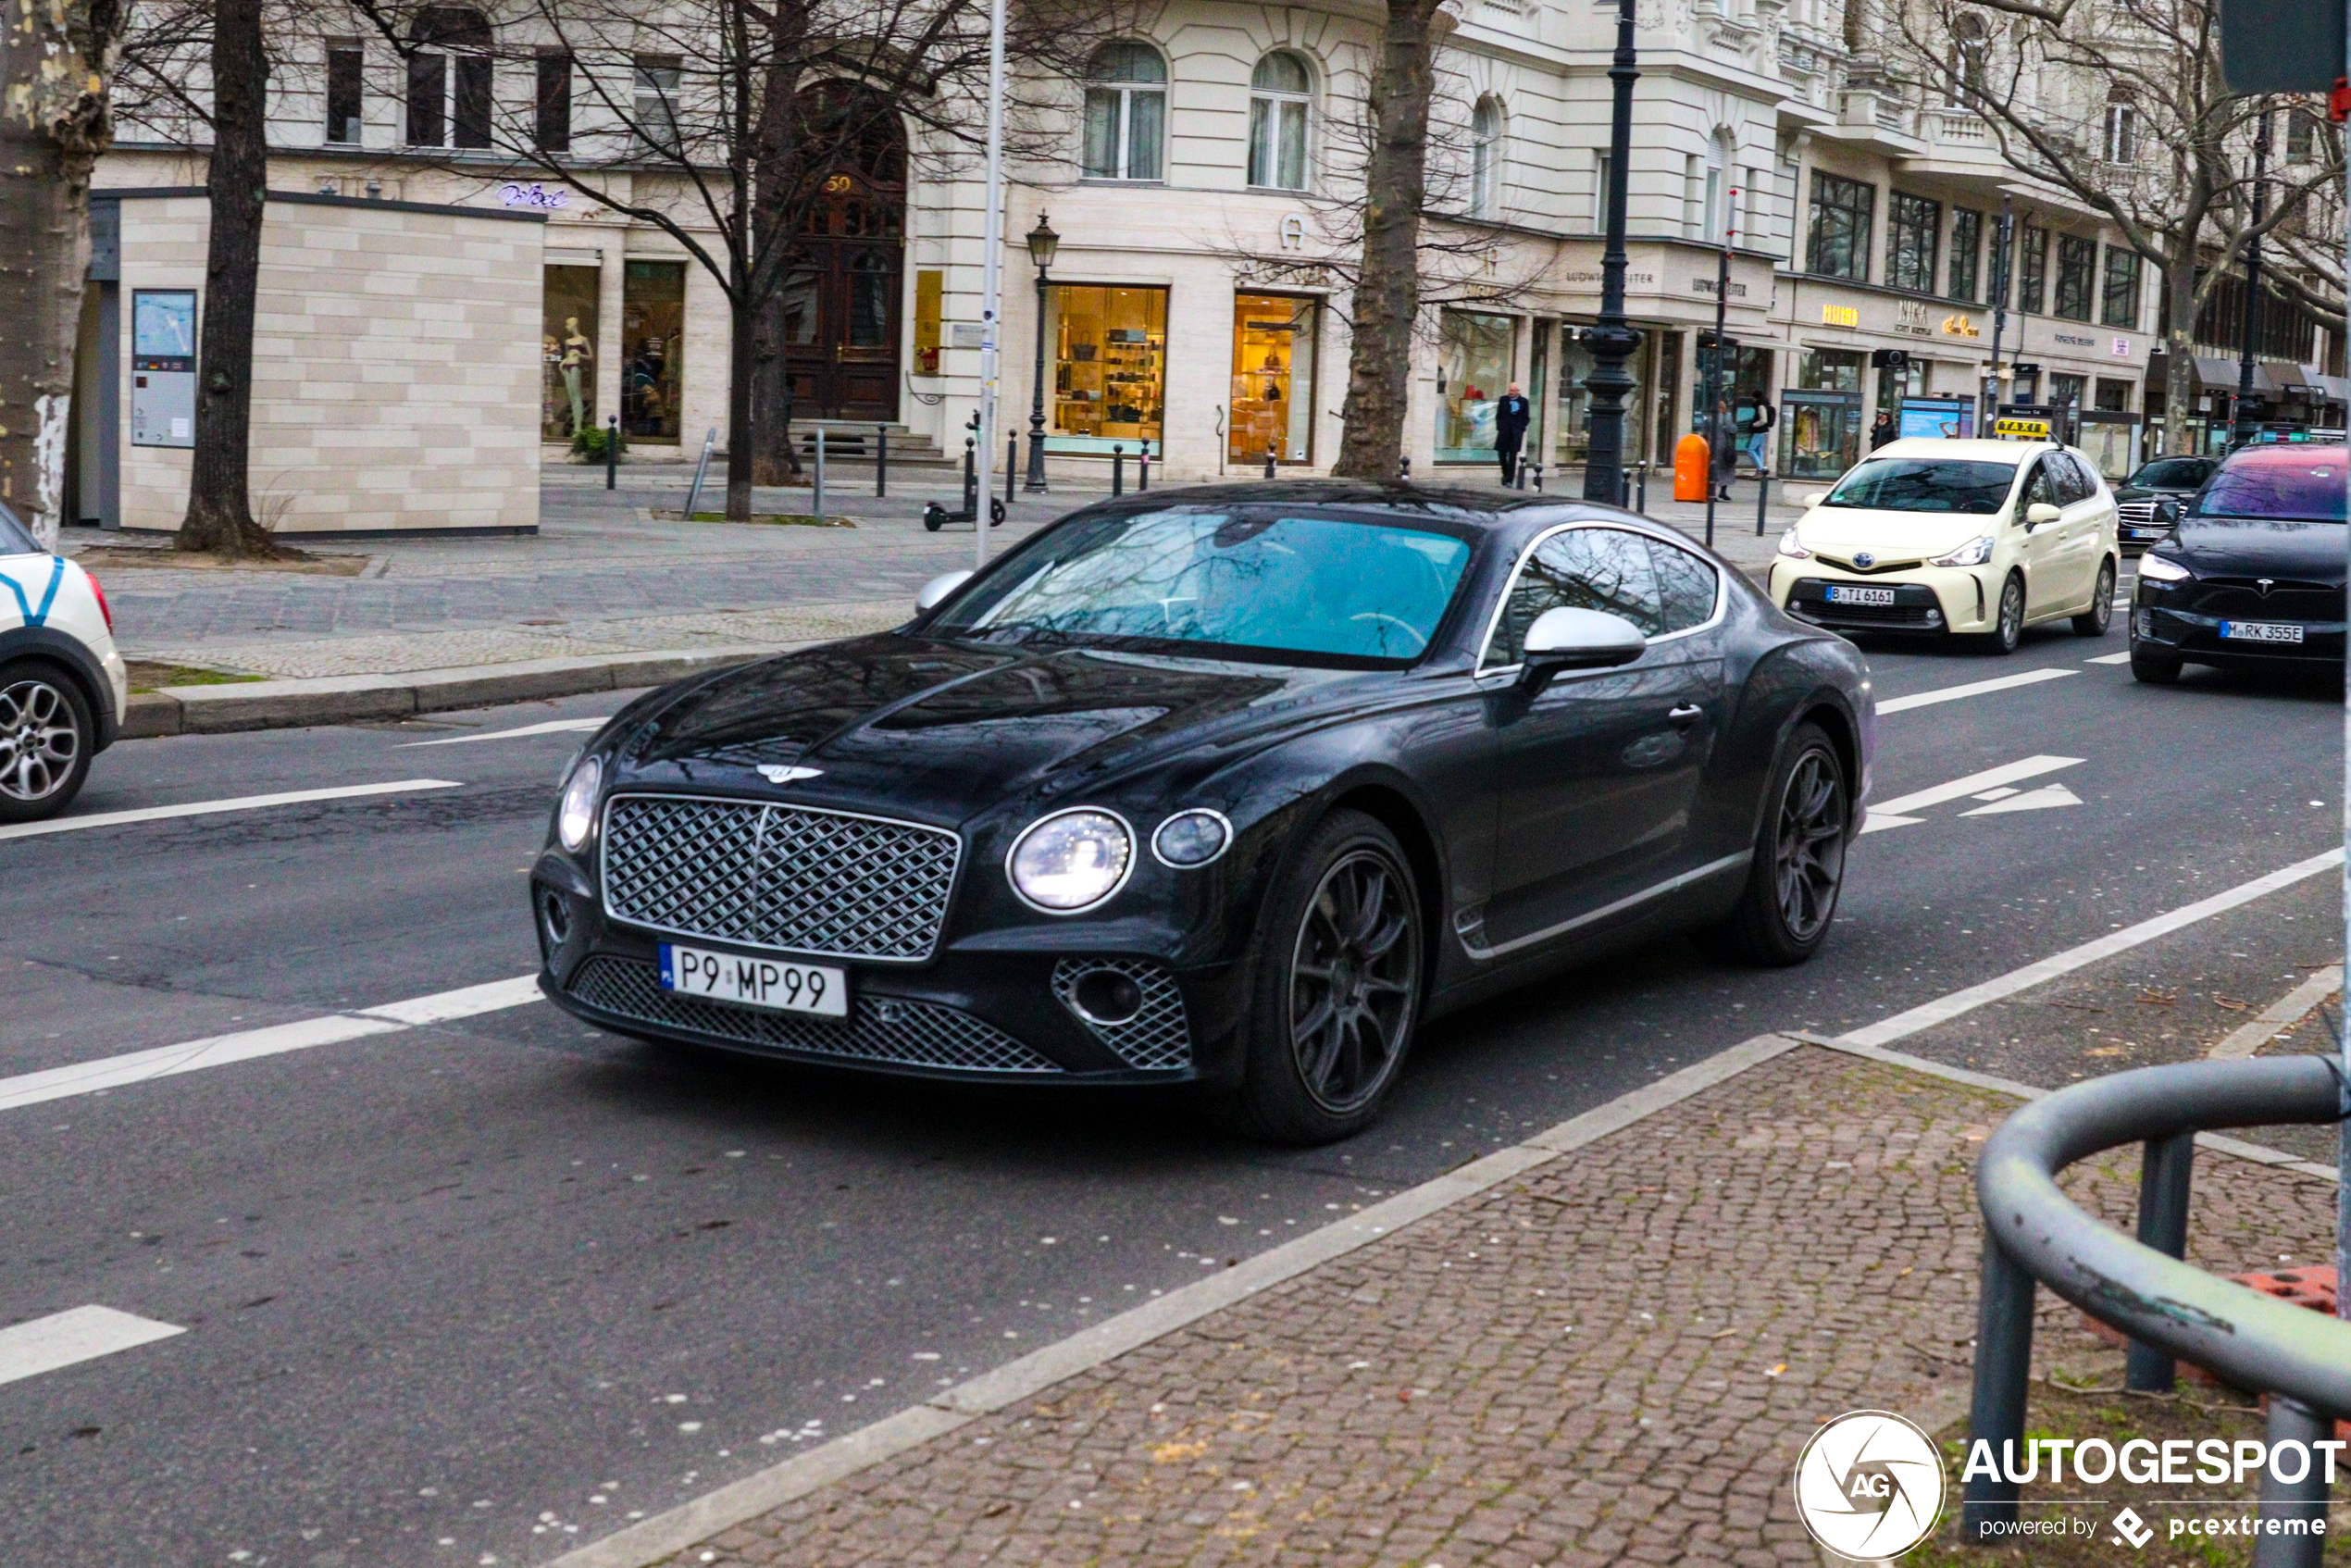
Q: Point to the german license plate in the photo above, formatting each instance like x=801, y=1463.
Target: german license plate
x=1839, y=594
x=770, y=983
x=2144, y=533
x=2261, y=631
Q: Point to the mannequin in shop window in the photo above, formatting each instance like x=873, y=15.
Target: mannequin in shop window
x=576, y=355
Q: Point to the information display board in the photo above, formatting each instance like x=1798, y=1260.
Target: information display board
x=163, y=368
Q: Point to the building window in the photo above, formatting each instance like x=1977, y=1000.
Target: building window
x=1108, y=348
x=1842, y=210
x=652, y=323
x=1485, y=159
x=1126, y=113
x=1970, y=49
x=1599, y=191
x=654, y=103
x=1715, y=220
x=1278, y=107
x=2301, y=137
x=2122, y=129
x=1475, y=363
x=2118, y=306
x=551, y=123
x=2077, y=258
x=1273, y=379
x=568, y=349
x=2032, y=269
x=344, y=66
x=1967, y=252
x=448, y=34
x=1912, y=225
x=1573, y=444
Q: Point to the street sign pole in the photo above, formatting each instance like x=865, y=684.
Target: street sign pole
x=991, y=284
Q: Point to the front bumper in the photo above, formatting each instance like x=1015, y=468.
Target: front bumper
x=978, y=1012
x=1929, y=600
x=2169, y=624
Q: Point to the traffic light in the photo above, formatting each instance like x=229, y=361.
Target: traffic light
x=1708, y=347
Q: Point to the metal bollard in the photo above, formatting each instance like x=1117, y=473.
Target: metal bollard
x=1117, y=468
x=1762, y=501
x=1011, y=466
x=1269, y=460
x=820, y=470
x=1405, y=467
x=2164, y=1166
x=881, y=460
x=1642, y=505
x=611, y=451
x=1538, y=476
x=1143, y=467
x=2003, y=1374
x=2305, y=1499
x=971, y=478
x=702, y=472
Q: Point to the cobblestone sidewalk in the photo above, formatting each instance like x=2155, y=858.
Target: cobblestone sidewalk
x=1612, y=1358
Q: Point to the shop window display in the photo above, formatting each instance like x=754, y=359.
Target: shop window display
x=1273, y=402
x=1822, y=415
x=567, y=350
x=653, y=319
x=1473, y=368
x=1110, y=366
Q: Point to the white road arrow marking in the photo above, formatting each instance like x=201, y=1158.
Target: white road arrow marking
x=236, y=803
x=2042, y=799
x=1889, y=814
x=1972, y=689
x=61, y=1339
x=552, y=727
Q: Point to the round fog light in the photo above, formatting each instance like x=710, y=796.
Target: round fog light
x=555, y=918
x=1105, y=996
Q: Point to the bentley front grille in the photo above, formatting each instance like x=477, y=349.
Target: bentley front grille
x=794, y=878
x=880, y=1029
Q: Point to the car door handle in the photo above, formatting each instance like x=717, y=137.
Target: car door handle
x=1684, y=715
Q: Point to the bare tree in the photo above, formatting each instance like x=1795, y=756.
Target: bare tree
x=2122, y=109
x=57, y=71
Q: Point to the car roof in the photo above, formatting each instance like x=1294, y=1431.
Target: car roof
x=1964, y=449
x=2288, y=455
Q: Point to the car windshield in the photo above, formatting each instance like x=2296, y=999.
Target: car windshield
x=1925, y=484
x=14, y=538
x=1298, y=590
x=2172, y=473
x=2304, y=491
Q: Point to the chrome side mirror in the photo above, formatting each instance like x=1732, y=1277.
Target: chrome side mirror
x=1571, y=639
x=936, y=591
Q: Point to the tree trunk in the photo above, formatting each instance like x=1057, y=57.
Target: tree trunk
x=57, y=63
x=220, y=510
x=2181, y=379
x=741, y=423
x=1387, y=285
x=777, y=152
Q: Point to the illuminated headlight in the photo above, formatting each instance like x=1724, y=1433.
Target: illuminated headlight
x=1191, y=838
x=1974, y=553
x=1793, y=547
x=1071, y=861
x=576, y=818
x=2155, y=568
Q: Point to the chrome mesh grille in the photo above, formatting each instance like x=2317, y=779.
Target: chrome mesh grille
x=1158, y=1037
x=783, y=876
x=2139, y=511
x=880, y=1029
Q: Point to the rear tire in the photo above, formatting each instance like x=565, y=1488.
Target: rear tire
x=2154, y=669
x=1789, y=901
x=46, y=738
x=2007, y=627
x=2094, y=621
x=1334, y=999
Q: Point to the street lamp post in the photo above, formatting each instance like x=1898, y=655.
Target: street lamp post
x=2240, y=425
x=1042, y=244
x=2000, y=267
x=1613, y=340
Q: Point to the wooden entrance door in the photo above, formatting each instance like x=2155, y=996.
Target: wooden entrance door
x=842, y=303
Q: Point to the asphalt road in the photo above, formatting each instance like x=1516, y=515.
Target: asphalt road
x=485, y=1289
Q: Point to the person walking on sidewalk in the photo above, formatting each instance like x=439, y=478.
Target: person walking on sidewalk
x=1759, y=436
x=1883, y=431
x=1511, y=413
x=1722, y=449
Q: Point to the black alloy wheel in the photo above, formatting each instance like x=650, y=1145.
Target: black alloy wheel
x=45, y=739
x=2094, y=621
x=1785, y=911
x=1337, y=993
x=2009, y=629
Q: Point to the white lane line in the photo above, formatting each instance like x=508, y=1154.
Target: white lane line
x=61, y=1339
x=1972, y=689
x=275, y=1039
x=2121, y=658
x=235, y=803
x=2279, y=1015
x=552, y=727
x=1889, y=814
x=1943, y=1009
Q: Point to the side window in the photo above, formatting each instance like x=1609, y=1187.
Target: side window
x=1583, y=569
x=2074, y=481
x=2038, y=488
x=1686, y=585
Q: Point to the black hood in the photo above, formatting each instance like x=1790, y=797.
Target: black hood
x=2258, y=547
x=950, y=726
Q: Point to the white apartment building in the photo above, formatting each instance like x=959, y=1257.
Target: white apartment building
x=1199, y=188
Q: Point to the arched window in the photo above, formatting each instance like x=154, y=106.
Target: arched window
x=1278, y=97
x=1126, y=113
x=1485, y=159
x=442, y=114
x=1971, y=51
x=2122, y=127
x=1717, y=215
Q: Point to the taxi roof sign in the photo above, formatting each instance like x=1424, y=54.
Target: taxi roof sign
x=2008, y=427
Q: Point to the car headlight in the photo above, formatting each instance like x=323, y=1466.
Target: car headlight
x=1793, y=547
x=2155, y=568
x=576, y=818
x=1974, y=553
x=1070, y=861
x=1191, y=838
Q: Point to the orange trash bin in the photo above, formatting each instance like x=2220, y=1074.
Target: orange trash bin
x=1690, y=467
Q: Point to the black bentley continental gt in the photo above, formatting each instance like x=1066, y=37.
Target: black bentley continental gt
x=1234, y=787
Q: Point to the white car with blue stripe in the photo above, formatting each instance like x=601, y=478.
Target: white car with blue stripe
x=63, y=687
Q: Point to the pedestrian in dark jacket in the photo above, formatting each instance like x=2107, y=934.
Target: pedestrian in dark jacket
x=1759, y=436
x=1883, y=431
x=1512, y=412
x=1722, y=450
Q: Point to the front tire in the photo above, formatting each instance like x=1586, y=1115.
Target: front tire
x=46, y=737
x=1335, y=999
x=2094, y=621
x=1789, y=901
x=2007, y=628
x=2153, y=669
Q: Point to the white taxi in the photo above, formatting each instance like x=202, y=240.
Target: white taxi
x=63, y=687
x=1978, y=538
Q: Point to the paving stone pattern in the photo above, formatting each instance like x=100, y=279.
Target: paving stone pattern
x=1613, y=1360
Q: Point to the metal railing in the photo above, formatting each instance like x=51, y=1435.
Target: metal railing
x=2171, y=1309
